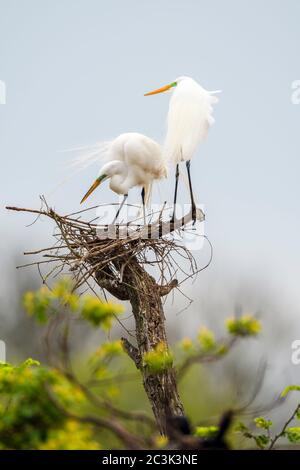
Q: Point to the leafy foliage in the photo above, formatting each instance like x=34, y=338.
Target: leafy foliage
x=245, y=325
x=72, y=436
x=206, y=339
x=26, y=413
x=266, y=439
x=206, y=432
x=47, y=407
x=159, y=359
x=44, y=303
x=293, y=434
x=263, y=423
x=261, y=440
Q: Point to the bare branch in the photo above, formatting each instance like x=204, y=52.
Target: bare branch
x=202, y=357
x=165, y=290
x=282, y=432
x=107, y=281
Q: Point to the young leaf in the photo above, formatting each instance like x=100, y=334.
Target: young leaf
x=206, y=339
x=158, y=359
x=246, y=325
x=293, y=434
x=207, y=432
x=263, y=423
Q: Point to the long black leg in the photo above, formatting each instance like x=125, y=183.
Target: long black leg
x=120, y=208
x=175, y=192
x=188, y=167
x=143, y=202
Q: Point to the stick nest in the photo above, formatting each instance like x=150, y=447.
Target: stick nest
x=79, y=250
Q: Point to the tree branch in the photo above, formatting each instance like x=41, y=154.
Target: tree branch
x=130, y=440
x=202, y=358
x=106, y=280
x=282, y=432
x=132, y=352
x=165, y=290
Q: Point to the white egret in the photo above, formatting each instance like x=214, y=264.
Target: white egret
x=189, y=118
x=133, y=160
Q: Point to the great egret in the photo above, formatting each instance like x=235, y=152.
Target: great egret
x=133, y=160
x=189, y=118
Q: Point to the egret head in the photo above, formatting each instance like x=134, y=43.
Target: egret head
x=170, y=87
x=108, y=170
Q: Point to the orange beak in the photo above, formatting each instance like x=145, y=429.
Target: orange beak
x=161, y=90
x=93, y=187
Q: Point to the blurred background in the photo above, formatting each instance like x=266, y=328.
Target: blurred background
x=75, y=73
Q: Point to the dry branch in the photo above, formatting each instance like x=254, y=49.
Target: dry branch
x=119, y=267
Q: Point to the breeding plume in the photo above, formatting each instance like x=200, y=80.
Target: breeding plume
x=189, y=118
x=133, y=160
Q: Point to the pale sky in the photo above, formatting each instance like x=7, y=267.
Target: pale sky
x=75, y=73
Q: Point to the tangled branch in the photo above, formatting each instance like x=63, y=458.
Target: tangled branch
x=82, y=248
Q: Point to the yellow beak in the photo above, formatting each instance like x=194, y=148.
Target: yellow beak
x=161, y=90
x=93, y=187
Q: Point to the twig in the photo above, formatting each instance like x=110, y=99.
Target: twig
x=282, y=432
x=132, y=352
x=202, y=358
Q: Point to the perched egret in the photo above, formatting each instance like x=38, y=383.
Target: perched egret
x=133, y=160
x=189, y=118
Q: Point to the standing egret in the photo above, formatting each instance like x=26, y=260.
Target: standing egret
x=189, y=118
x=133, y=160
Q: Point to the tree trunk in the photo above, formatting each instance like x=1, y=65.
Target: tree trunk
x=145, y=295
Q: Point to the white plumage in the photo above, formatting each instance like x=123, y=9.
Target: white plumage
x=142, y=158
x=189, y=119
x=133, y=160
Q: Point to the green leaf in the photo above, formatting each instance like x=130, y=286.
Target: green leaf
x=158, y=359
x=99, y=313
x=187, y=345
x=261, y=440
x=37, y=304
x=107, y=350
x=222, y=349
x=263, y=423
x=29, y=363
x=206, y=432
x=246, y=325
x=206, y=339
x=293, y=434
x=63, y=291
x=241, y=427
x=62, y=288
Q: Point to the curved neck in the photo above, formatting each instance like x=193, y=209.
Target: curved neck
x=121, y=181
